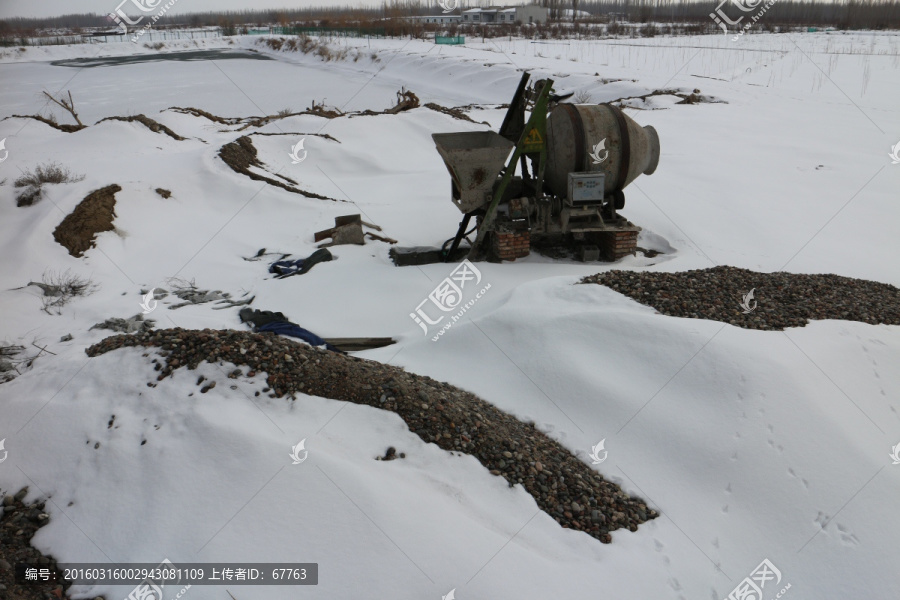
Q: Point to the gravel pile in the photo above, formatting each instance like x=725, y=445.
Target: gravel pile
x=779, y=299
x=563, y=486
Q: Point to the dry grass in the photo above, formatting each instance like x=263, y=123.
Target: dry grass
x=49, y=173
x=33, y=181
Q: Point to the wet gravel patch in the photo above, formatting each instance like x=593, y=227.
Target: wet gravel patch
x=780, y=299
x=18, y=524
x=563, y=486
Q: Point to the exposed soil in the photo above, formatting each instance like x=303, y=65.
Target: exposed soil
x=240, y=155
x=50, y=122
x=246, y=122
x=564, y=487
x=779, y=299
x=455, y=112
x=406, y=100
x=694, y=97
x=152, y=125
x=29, y=196
x=92, y=215
x=297, y=133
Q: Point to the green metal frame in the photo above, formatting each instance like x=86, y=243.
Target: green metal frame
x=449, y=40
x=528, y=145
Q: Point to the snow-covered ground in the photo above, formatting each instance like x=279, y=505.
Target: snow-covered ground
x=752, y=445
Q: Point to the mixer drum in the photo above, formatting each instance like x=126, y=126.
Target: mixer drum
x=573, y=133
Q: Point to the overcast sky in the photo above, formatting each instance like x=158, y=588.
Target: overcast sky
x=53, y=8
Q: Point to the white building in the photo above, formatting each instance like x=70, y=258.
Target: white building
x=441, y=19
x=511, y=14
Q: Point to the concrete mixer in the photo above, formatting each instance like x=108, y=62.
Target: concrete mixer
x=573, y=163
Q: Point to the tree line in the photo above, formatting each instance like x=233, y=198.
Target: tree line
x=391, y=14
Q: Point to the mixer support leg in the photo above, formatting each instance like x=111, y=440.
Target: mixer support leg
x=459, y=236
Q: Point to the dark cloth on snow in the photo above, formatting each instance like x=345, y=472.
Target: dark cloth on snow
x=276, y=322
x=286, y=268
x=288, y=328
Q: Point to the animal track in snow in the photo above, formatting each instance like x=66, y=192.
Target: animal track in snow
x=847, y=536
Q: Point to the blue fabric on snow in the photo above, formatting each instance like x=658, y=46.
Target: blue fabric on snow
x=290, y=329
x=286, y=268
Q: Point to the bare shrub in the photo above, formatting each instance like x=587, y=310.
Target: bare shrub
x=60, y=288
x=583, y=97
x=275, y=43
x=284, y=112
x=307, y=44
x=324, y=52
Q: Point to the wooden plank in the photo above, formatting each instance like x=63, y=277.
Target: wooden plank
x=355, y=344
x=324, y=234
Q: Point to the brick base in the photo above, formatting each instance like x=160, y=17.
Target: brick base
x=616, y=244
x=511, y=245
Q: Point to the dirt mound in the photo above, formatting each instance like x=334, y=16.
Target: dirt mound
x=240, y=155
x=563, y=486
x=779, y=300
x=92, y=215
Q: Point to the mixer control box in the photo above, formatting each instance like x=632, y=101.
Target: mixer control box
x=586, y=189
